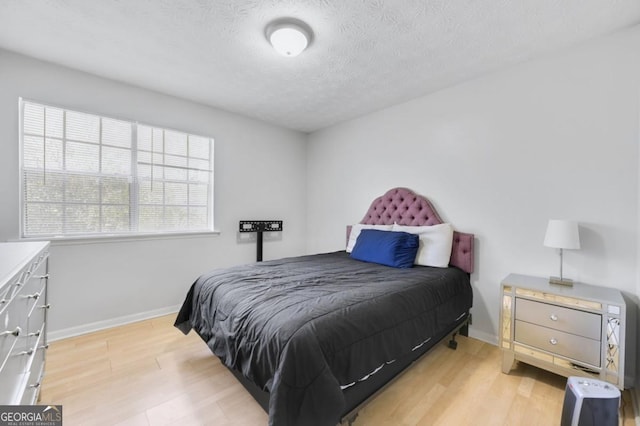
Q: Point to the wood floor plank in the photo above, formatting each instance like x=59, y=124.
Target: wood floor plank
x=150, y=374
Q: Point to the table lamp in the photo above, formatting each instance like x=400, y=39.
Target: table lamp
x=562, y=234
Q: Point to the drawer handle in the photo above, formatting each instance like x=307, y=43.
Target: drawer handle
x=35, y=385
x=34, y=334
x=14, y=333
x=33, y=296
x=29, y=352
x=553, y=317
x=553, y=341
x=41, y=276
x=44, y=346
x=47, y=306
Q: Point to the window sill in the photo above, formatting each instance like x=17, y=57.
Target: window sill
x=117, y=238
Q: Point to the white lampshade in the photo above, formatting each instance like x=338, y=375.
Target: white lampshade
x=289, y=36
x=562, y=234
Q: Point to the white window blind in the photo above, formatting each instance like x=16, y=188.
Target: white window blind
x=84, y=175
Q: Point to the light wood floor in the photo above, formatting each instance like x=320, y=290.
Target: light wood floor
x=148, y=373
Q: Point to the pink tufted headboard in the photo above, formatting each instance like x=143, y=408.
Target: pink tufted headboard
x=405, y=207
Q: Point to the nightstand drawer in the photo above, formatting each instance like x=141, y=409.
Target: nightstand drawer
x=564, y=319
x=568, y=345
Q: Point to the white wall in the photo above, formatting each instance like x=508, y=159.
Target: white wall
x=259, y=173
x=499, y=156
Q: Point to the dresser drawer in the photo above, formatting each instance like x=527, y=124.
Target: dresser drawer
x=568, y=320
x=10, y=291
x=14, y=373
x=36, y=321
x=5, y=295
x=35, y=300
x=35, y=378
x=34, y=280
x=14, y=312
x=13, y=327
x=565, y=344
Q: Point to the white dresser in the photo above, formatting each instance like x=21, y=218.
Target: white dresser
x=572, y=331
x=23, y=318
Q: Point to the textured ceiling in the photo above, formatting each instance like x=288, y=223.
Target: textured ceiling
x=365, y=55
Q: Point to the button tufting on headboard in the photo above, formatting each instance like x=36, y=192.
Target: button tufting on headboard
x=405, y=207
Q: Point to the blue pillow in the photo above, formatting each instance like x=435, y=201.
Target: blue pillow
x=397, y=249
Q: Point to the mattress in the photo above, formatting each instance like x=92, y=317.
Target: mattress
x=306, y=328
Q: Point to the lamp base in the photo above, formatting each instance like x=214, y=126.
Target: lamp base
x=561, y=281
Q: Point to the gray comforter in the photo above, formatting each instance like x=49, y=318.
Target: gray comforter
x=304, y=328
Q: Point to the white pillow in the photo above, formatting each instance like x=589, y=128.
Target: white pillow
x=435, y=243
x=355, y=231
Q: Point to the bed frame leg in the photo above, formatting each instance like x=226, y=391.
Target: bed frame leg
x=452, y=343
x=463, y=330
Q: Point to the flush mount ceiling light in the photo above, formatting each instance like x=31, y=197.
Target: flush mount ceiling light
x=288, y=36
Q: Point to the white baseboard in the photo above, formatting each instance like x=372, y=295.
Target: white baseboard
x=52, y=336
x=492, y=339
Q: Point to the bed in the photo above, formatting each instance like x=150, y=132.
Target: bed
x=313, y=338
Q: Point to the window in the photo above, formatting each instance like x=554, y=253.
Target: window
x=87, y=175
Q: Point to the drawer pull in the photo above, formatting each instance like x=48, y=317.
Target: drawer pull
x=553, y=341
x=44, y=346
x=553, y=317
x=14, y=333
x=33, y=296
x=34, y=334
x=47, y=306
x=41, y=276
x=35, y=385
x=29, y=352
